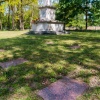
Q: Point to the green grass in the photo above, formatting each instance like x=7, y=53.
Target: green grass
x=11, y=34
x=48, y=63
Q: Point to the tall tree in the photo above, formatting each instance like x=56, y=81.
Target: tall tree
x=23, y=6
x=95, y=12
x=85, y=8
x=13, y=4
x=19, y=13
x=1, y=13
x=68, y=9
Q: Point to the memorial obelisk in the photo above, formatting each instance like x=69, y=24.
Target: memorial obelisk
x=46, y=24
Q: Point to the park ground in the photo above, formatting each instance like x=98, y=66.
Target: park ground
x=50, y=57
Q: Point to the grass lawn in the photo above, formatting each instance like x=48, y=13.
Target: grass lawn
x=50, y=57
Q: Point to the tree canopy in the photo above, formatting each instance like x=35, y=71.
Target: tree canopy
x=67, y=10
x=17, y=14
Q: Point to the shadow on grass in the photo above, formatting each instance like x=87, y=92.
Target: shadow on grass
x=47, y=63
x=92, y=31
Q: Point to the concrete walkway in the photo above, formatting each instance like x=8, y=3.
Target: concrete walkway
x=64, y=89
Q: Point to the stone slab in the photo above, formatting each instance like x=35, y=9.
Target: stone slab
x=64, y=89
x=75, y=47
x=12, y=63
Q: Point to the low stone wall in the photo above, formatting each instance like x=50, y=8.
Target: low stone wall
x=94, y=28
x=89, y=28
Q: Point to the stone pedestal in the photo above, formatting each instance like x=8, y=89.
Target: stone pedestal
x=44, y=27
x=47, y=23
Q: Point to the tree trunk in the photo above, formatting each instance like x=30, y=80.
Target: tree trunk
x=21, y=24
x=86, y=15
x=21, y=17
x=95, y=28
x=30, y=23
x=86, y=20
x=8, y=24
x=64, y=27
x=31, y=18
x=13, y=17
x=18, y=21
x=0, y=25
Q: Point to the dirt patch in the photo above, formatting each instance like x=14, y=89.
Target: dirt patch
x=75, y=46
x=75, y=73
x=49, y=42
x=94, y=81
x=2, y=50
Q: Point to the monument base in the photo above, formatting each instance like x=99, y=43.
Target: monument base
x=48, y=32
x=47, y=26
x=43, y=32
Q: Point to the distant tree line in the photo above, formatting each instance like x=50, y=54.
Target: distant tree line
x=79, y=13
x=17, y=14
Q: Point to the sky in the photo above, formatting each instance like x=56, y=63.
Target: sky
x=41, y=2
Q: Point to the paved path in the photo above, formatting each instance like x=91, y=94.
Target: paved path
x=64, y=89
x=12, y=63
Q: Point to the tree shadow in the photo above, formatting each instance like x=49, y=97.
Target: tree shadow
x=46, y=62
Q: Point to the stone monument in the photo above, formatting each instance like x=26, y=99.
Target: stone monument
x=46, y=24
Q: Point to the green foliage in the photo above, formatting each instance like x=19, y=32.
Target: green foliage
x=95, y=11
x=67, y=10
x=78, y=22
x=17, y=13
